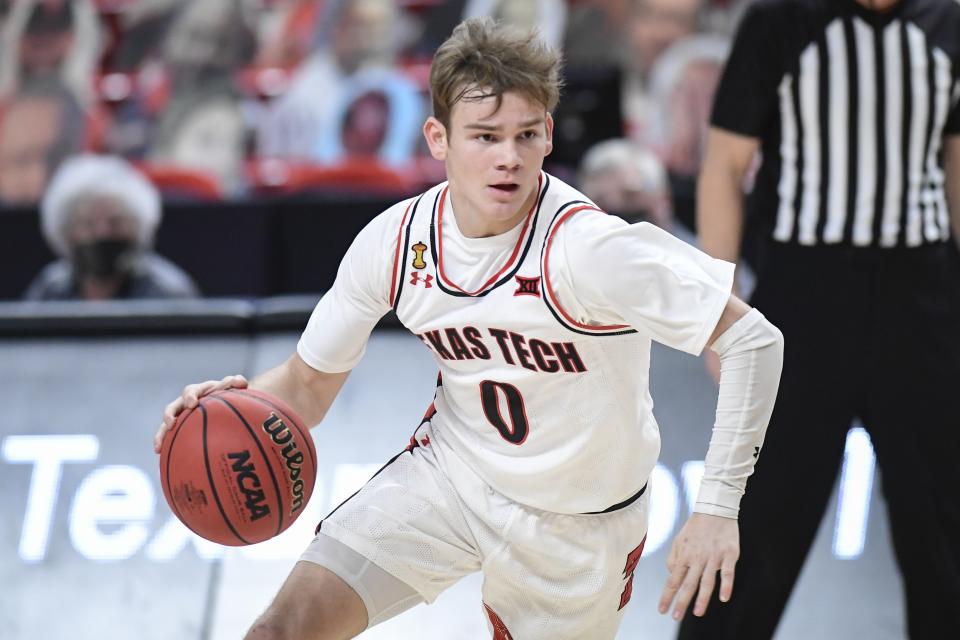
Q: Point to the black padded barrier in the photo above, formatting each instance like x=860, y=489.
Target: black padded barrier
x=251, y=248
x=160, y=317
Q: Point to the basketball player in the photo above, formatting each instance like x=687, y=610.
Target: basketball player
x=532, y=463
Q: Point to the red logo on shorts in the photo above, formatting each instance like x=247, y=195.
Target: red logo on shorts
x=500, y=631
x=632, y=559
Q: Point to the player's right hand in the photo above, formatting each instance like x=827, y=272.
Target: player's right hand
x=189, y=398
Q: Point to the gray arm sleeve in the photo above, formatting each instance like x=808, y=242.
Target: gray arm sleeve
x=751, y=358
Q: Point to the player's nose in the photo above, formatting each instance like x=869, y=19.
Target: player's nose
x=509, y=158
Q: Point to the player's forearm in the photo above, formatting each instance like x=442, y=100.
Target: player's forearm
x=308, y=392
x=751, y=358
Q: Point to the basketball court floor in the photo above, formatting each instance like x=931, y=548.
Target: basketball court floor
x=94, y=552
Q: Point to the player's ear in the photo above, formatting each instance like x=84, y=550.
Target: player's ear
x=436, y=135
x=549, y=125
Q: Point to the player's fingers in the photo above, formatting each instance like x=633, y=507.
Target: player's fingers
x=233, y=382
x=689, y=587
x=189, y=399
x=193, y=392
x=727, y=571
x=707, y=582
x=170, y=412
x=674, y=580
x=158, y=438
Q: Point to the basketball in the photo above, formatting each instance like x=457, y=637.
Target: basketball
x=239, y=468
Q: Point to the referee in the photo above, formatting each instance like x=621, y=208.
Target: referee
x=853, y=105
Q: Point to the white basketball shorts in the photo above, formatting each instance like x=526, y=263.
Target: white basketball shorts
x=428, y=520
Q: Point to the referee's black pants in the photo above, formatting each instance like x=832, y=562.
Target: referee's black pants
x=871, y=334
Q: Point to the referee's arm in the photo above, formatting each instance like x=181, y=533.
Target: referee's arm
x=951, y=164
x=720, y=192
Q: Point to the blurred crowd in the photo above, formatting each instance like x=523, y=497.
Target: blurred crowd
x=224, y=98
x=228, y=99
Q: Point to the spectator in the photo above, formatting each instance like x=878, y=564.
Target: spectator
x=682, y=84
x=39, y=127
x=364, y=37
x=652, y=26
x=188, y=53
x=627, y=180
x=374, y=121
x=363, y=129
x=142, y=27
x=183, y=98
x=100, y=215
x=590, y=22
x=286, y=32
x=204, y=131
x=549, y=17
x=50, y=40
x=207, y=43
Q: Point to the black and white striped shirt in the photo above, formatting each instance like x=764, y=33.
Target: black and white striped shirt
x=852, y=107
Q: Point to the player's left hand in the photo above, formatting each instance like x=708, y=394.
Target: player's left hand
x=706, y=544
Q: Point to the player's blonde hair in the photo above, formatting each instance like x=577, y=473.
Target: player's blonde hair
x=484, y=58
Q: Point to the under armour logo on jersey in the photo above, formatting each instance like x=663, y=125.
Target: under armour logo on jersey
x=418, y=251
x=527, y=286
x=756, y=452
x=415, y=279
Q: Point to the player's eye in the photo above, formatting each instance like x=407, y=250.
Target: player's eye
x=530, y=134
x=486, y=137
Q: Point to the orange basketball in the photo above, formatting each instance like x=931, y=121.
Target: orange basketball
x=239, y=468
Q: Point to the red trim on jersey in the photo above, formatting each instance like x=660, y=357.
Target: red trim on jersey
x=500, y=631
x=549, y=288
x=513, y=256
x=396, y=255
x=431, y=411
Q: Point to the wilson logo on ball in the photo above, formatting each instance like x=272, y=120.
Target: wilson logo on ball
x=281, y=435
x=249, y=484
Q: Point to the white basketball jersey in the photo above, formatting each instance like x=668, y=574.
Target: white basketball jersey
x=544, y=362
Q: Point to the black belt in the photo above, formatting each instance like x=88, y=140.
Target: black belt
x=620, y=505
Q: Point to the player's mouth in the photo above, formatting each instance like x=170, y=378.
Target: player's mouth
x=505, y=187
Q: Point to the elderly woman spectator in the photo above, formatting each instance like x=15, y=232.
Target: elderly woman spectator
x=99, y=215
